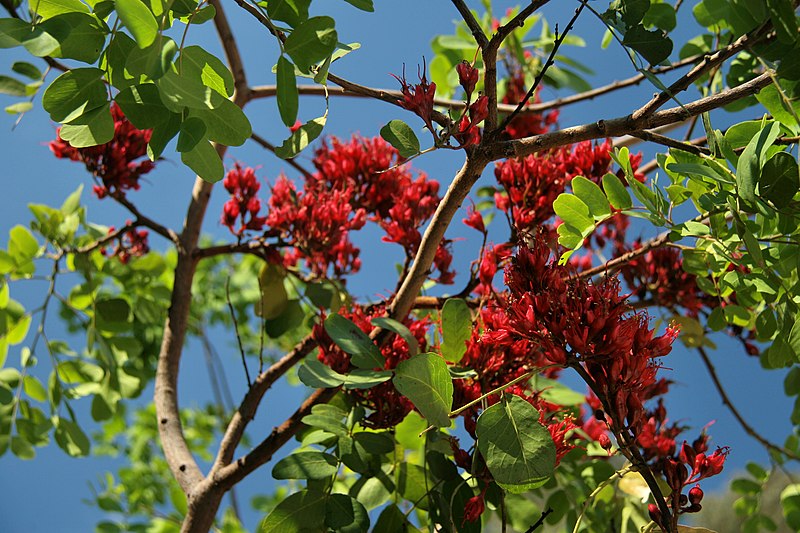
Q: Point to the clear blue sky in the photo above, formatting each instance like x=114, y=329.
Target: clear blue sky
x=45, y=495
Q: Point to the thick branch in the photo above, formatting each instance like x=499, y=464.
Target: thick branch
x=176, y=450
x=251, y=401
x=619, y=126
x=418, y=273
x=231, y=474
x=712, y=372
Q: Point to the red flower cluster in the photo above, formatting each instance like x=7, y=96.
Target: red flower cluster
x=132, y=243
x=114, y=164
x=244, y=205
x=574, y=321
x=534, y=182
x=394, y=198
x=317, y=222
x=386, y=406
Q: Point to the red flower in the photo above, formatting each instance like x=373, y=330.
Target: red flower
x=474, y=219
x=467, y=77
x=474, y=508
x=114, y=164
x=243, y=206
x=418, y=98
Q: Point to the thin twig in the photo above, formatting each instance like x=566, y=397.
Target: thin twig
x=146, y=221
x=236, y=330
x=712, y=372
x=517, y=22
x=271, y=147
x=543, y=70
x=671, y=143
x=539, y=523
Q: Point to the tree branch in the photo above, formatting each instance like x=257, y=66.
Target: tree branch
x=709, y=62
x=543, y=70
x=271, y=147
x=231, y=474
x=619, y=126
x=712, y=372
x=147, y=221
x=517, y=22
x=472, y=24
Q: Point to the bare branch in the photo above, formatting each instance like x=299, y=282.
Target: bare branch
x=701, y=68
x=231, y=474
x=543, y=70
x=517, y=22
x=619, y=126
x=146, y=221
x=472, y=24
x=663, y=140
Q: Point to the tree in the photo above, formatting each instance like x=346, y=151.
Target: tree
x=391, y=382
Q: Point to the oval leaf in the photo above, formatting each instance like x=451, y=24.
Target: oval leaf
x=518, y=450
x=287, y=91
x=302, y=510
x=456, y=329
x=139, y=20
x=349, y=337
x=425, y=380
x=306, y=465
x=401, y=136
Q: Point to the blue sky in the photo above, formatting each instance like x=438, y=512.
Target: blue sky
x=45, y=494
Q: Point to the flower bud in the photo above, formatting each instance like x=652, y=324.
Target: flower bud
x=605, y=442
x=479, y=110
x=467, y=77
x=695, y=495
x=655, y=513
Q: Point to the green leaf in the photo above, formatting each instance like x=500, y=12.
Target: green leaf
x=71, y=438
x=363, y=5
x=287, y=91
x=80, y=36
x=345, y=514
x=193, y=131
x=16, y=32
x=327, y=417
x=399, y=328
x=653, y=45
x=51, y=8
x=12, y=86
x=301, y=138
x=22, y=448
x=292, y=12
x=780, y=179
x=142, y=105
x=204, y=160
x=90, y=129
x=178, y=91
x=425, y=380
x=312, y=41
x=323, y=295
x=306, y=465
x=302, y=510
x=366, y=379
x=163, y=133
x=139, y=20
x=591, y=195
x=22, y=245
x=73, y=93
x=617, y=193
x=207, y=69
x=19, y=107
x=748, y=170
x=274, y=297
x=518, y=450
x=289, y=319
x=573, y=211
x=153, y=61
x=226, y=124
x=456, y=329
x=34, y=388
x=784, y=20
x=402, y=137
x=113, y=310
x=317, y=374
x=349, y=337
x=393, y=520
x=661, y=16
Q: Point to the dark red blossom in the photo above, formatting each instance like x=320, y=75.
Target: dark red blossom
x=418, y=98
x=115, y=164
x=474, y=219
x=474, y=508
x=525, y=124
x=468, y=77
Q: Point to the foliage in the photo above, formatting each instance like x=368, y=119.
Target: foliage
x=442, y=412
